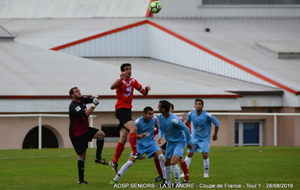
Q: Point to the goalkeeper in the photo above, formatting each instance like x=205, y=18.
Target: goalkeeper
x=79, y=131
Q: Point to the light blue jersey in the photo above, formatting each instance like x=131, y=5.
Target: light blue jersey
x=172, y=128
x=145, y=127
x=201, y=124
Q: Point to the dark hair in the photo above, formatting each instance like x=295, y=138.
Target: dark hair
x=71, y=91
x=124, y=65
x=199, y=100
x=148, y=108
x=165, y=104
x=172, y=106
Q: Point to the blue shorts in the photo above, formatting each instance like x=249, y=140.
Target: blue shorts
x=150, y=150
x=175, y=148
x=202, y=146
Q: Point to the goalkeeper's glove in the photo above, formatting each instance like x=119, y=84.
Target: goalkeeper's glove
x=95, y=102
x=94, y=96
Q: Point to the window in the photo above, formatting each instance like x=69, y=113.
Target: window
x=110, y=130
x=248, y=133
x=249, y=2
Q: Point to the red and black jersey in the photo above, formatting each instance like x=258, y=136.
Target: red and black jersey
x=79, y=122
x=125, y=92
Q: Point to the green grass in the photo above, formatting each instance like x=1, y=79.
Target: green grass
x=57, y=169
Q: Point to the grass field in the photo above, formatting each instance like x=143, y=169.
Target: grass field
x=245, y=167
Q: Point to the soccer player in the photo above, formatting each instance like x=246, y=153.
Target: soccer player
x=145, y=143
x=79, y=131
x=172, y=128
x=183, y=165
x=124, y=89
x=201, y=127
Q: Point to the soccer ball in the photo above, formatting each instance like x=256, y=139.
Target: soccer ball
x=155, y=7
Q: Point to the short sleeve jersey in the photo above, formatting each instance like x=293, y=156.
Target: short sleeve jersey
x=201, y=124
x=79, y=122
x=145, y=127
x=125, y=92
x=172, y=128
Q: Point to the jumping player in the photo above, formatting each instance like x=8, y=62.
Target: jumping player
x=124, y=89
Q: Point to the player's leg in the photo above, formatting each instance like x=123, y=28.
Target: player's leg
x=123, y=170
x=99, y=136
x=177, y=154
x=168, y=155
x=157, y=164
x=80, y=166
x=80, y=144
x=188, y=159
x=133, y=139
x=160, y=166
x=185, y=170
x=119, y=148
x=204, y=150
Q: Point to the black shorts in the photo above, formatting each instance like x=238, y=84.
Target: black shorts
x=123, y=115
x=80, y=143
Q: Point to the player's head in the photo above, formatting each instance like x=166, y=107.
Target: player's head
x=74, y=93
x=164, y=106
x=126, y=68
x=148, y=113
x=199, y=104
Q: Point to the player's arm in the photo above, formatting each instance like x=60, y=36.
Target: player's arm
x=160, y=132
x=95, y=102
x=146, y=90
x=217, y=124
x=183, y=127
x=117, y=82
x=215, y=136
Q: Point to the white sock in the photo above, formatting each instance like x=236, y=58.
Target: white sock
x=168, y=174
x=123, y=169
x=176, y=171
x=188, y=161
x=206, y=165
x=161, y=159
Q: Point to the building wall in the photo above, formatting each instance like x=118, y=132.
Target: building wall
x=192, y=9
x=15, y=129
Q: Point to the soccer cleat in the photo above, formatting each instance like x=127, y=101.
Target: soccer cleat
x=82, y=182
x=100, y=161
x=206, y=175
x=182, y=175
x=137, y=156
x=186, y=181
x=112, y=182
x=114, y=166
x=158, y=179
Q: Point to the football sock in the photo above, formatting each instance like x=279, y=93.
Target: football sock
x=185, y=170
x=188, y=161
x=176, y=171
x=206, y=165
x=123, y=169
x=132, y=141
x=168, y=174
x=118, y=152
x=80, y=165
x=161, y=159
x=100, y=143
x=158, y=168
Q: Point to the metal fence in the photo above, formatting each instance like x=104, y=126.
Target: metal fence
x=40, y=120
